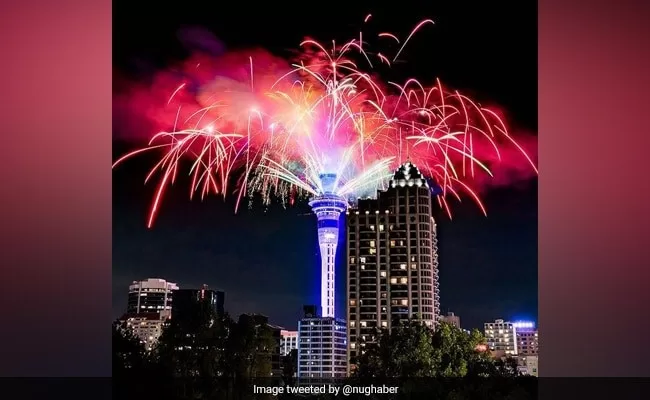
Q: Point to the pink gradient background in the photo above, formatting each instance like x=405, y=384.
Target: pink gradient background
x=56, y=211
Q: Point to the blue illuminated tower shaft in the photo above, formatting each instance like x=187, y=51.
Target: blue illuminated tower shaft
x=328, y=208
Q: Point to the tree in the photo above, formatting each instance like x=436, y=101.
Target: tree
x=507, y=368
x=459, y=358
x=289, y=365
x=192, y=352
x=458, y=352
x=411, y=349
x=129, y=354
x=405, y=351
x=194, y=345
x=252, y=345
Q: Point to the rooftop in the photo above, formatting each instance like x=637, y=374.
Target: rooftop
x=408, y=175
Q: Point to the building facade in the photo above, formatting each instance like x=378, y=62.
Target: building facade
x=322, y=348
x=186, y=299
x=152, y=295
x=528, y=365
x=527, y=340
x=288, y=342
x=451, y=319
x=500, y=336
x=392, y=261
x=146, y=326
x=511, y=338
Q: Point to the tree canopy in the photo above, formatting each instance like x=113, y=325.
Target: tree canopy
x=414, y=350
x=201, y=354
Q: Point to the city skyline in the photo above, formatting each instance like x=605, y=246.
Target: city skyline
x=479, y=299
x=488, y=266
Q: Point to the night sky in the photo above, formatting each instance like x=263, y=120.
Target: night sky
x=267, y=261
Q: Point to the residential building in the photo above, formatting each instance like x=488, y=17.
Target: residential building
x=288, y=342
x=147, y=327
x=152, y=295
x=512, y=338
x=527, y=340
x=501, y=337
x=392, y=261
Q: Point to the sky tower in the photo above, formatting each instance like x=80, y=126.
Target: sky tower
x=328, y=207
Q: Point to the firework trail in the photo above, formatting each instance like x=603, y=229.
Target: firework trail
x=273, y=130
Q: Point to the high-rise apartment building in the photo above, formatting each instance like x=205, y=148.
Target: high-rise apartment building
x=288, y=342
x=322, y=347
x=186, y=299
x=392, y=261
x=150, y=296
x=507, y=338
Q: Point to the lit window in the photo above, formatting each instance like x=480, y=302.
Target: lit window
x=363, y=324
x=393, y=280
x=372, y=243
x=353, y=302
x=392, y=243
x=381, y=228
x=362, y=259
x=382, y=273
x=384, y=324
x=402, y=266
x=352, y=260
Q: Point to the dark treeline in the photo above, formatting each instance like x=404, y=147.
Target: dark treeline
x=206, y=356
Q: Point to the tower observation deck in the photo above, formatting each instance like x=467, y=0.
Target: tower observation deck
x=328, y=207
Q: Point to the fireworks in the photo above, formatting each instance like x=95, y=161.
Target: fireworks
x=275, y=133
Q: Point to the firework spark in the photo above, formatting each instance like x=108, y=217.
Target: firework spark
x=275, y=133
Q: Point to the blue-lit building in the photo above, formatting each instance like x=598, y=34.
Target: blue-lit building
x=322, y=346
